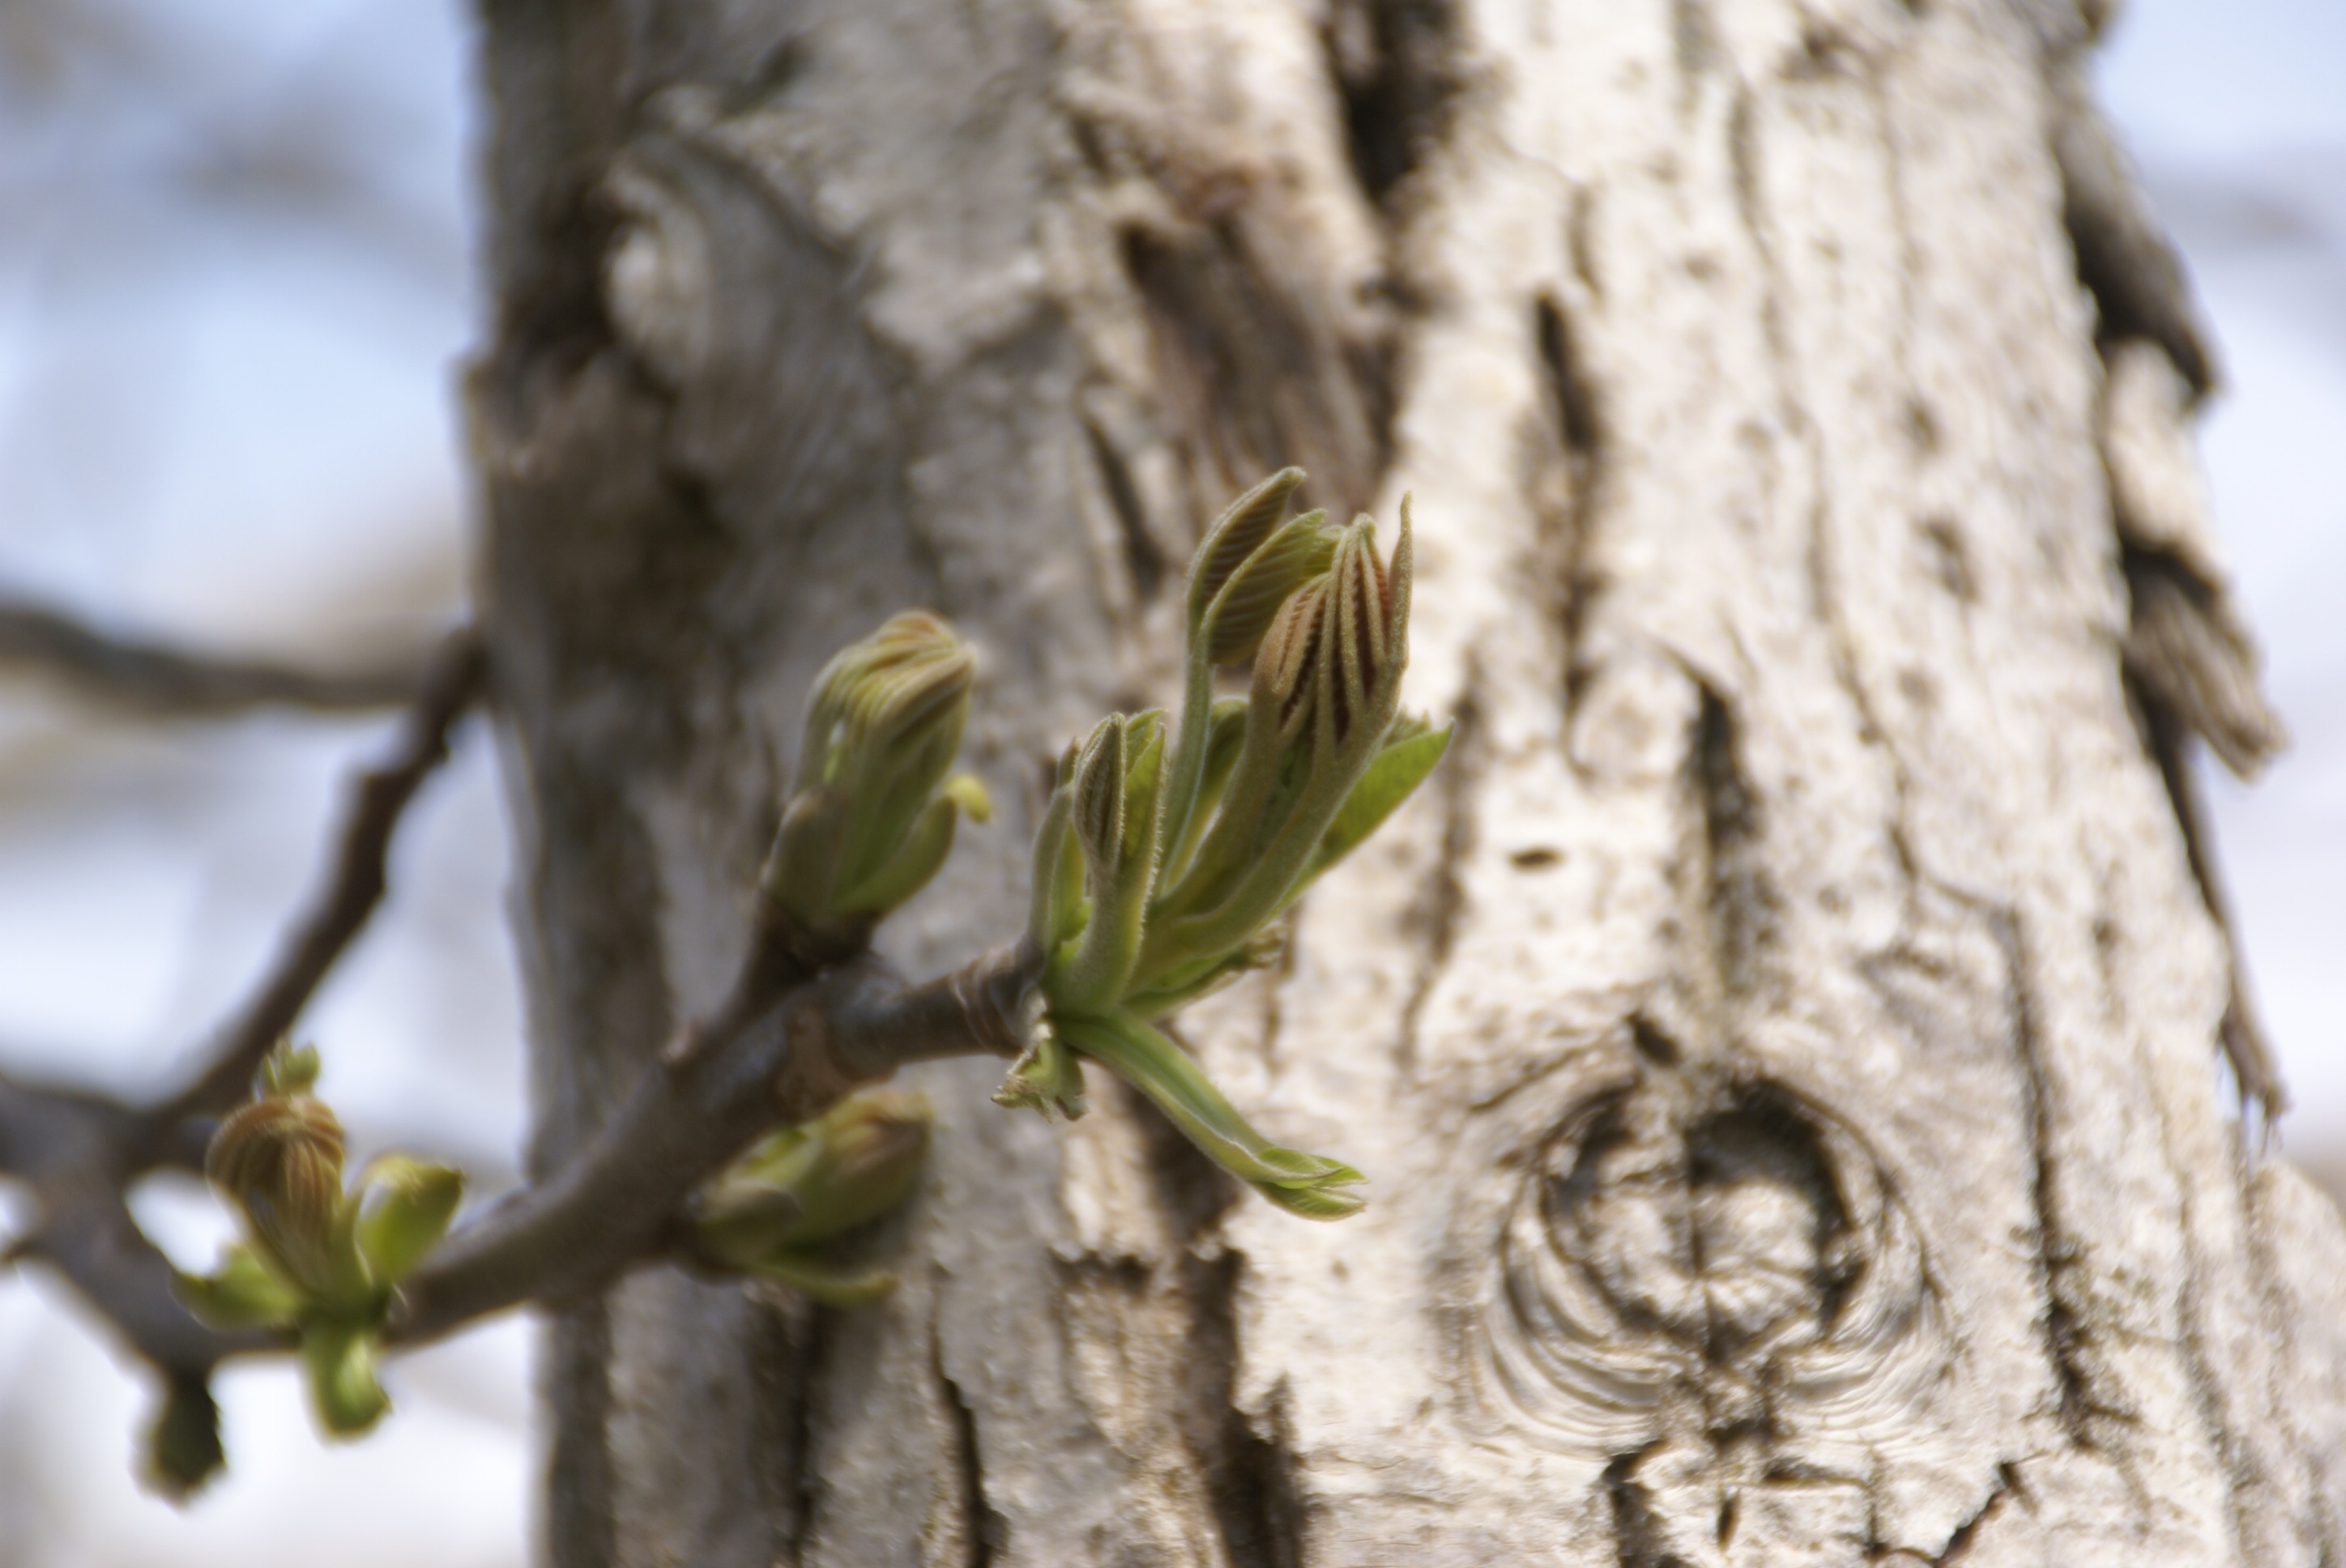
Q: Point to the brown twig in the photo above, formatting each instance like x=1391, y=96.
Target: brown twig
x=154, y=678
x=352, y=889
x=779, y=1053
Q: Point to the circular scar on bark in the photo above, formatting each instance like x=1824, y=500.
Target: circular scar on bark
x=1712, y=1261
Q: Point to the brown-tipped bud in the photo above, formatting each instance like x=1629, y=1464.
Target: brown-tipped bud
x=1286, y=665
x=1235, y=535
x=1363, y=634
x=1099, y=793
x=279, y=1160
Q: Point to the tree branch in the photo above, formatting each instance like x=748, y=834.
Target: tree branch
x=352, y=889
x=79, y=1151
x=154, y=678
x=784, y=1051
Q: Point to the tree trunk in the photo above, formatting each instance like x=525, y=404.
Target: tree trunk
x=1780, y=1036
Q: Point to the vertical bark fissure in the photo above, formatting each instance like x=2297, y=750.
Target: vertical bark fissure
x=985, y=1530
x=2008, y=1486
x=2056, y=1252
x=1639, y=1537
x=1737, y=897
x=1144, y=558
x=2224, y=1442
x=1580, y=426
x=1250, y=1475
x=1433, y=915
x=1394, y=63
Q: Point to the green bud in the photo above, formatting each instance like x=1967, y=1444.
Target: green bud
x=241, y=1292
x=404, y=1206
x=1236, y=536
x=1099, y=795
x=859, y=833
x=804, y=1184
x=338, y=1362
x=1115, y=815
x=279, y=1161
x=287, y=1069
x=183, y=1446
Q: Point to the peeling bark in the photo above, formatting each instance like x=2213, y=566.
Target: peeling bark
x=1780, y=1036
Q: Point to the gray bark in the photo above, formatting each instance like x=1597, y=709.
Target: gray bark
x=1781, y=1037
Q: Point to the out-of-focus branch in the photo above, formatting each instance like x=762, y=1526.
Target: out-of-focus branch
x=782, y=1051
x=78, y=1153
x=353, y=888
x=158, y=679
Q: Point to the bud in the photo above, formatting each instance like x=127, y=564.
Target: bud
x=866, y=827
x=183, y=1446
x=1235, y=623
x=804, y=1184
x=404, y=1206
x=1099, y=794
x=1238, y=534
x=1287, y=665
x=279, y=1160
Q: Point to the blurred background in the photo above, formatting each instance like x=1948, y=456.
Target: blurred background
x=234, y=297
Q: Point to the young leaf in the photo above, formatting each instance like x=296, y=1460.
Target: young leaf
x=404, y=1206
x=339, y=1358
x=1392, y=775
x=1310, y=1184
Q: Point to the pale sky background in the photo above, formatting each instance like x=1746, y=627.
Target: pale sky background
x=234, y=293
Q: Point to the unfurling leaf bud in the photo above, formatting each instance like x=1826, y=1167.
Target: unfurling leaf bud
x=1238, y=534
x=802, y=1186
x=1188, y=851
x=1099, y=794
x=279, y=1160
x=866, y=826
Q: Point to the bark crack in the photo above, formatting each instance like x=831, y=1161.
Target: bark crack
x=1435, y=913
x=1250, y=1474
x=2008, y=1486
x=985, y=1530
x=2057, y=1253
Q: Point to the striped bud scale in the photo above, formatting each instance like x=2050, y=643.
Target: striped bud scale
x=279, y=1160
x=1242, y=611
x=1286, y=665
x=897, y=681
x=1238, y=534
x=1099, y=793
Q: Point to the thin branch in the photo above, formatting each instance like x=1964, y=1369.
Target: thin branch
x=779, y=1053
x=77, y=1152
x=154, y=678
x=353, y=888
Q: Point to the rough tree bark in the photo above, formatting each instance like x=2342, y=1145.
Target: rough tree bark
x=1782, y=1037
